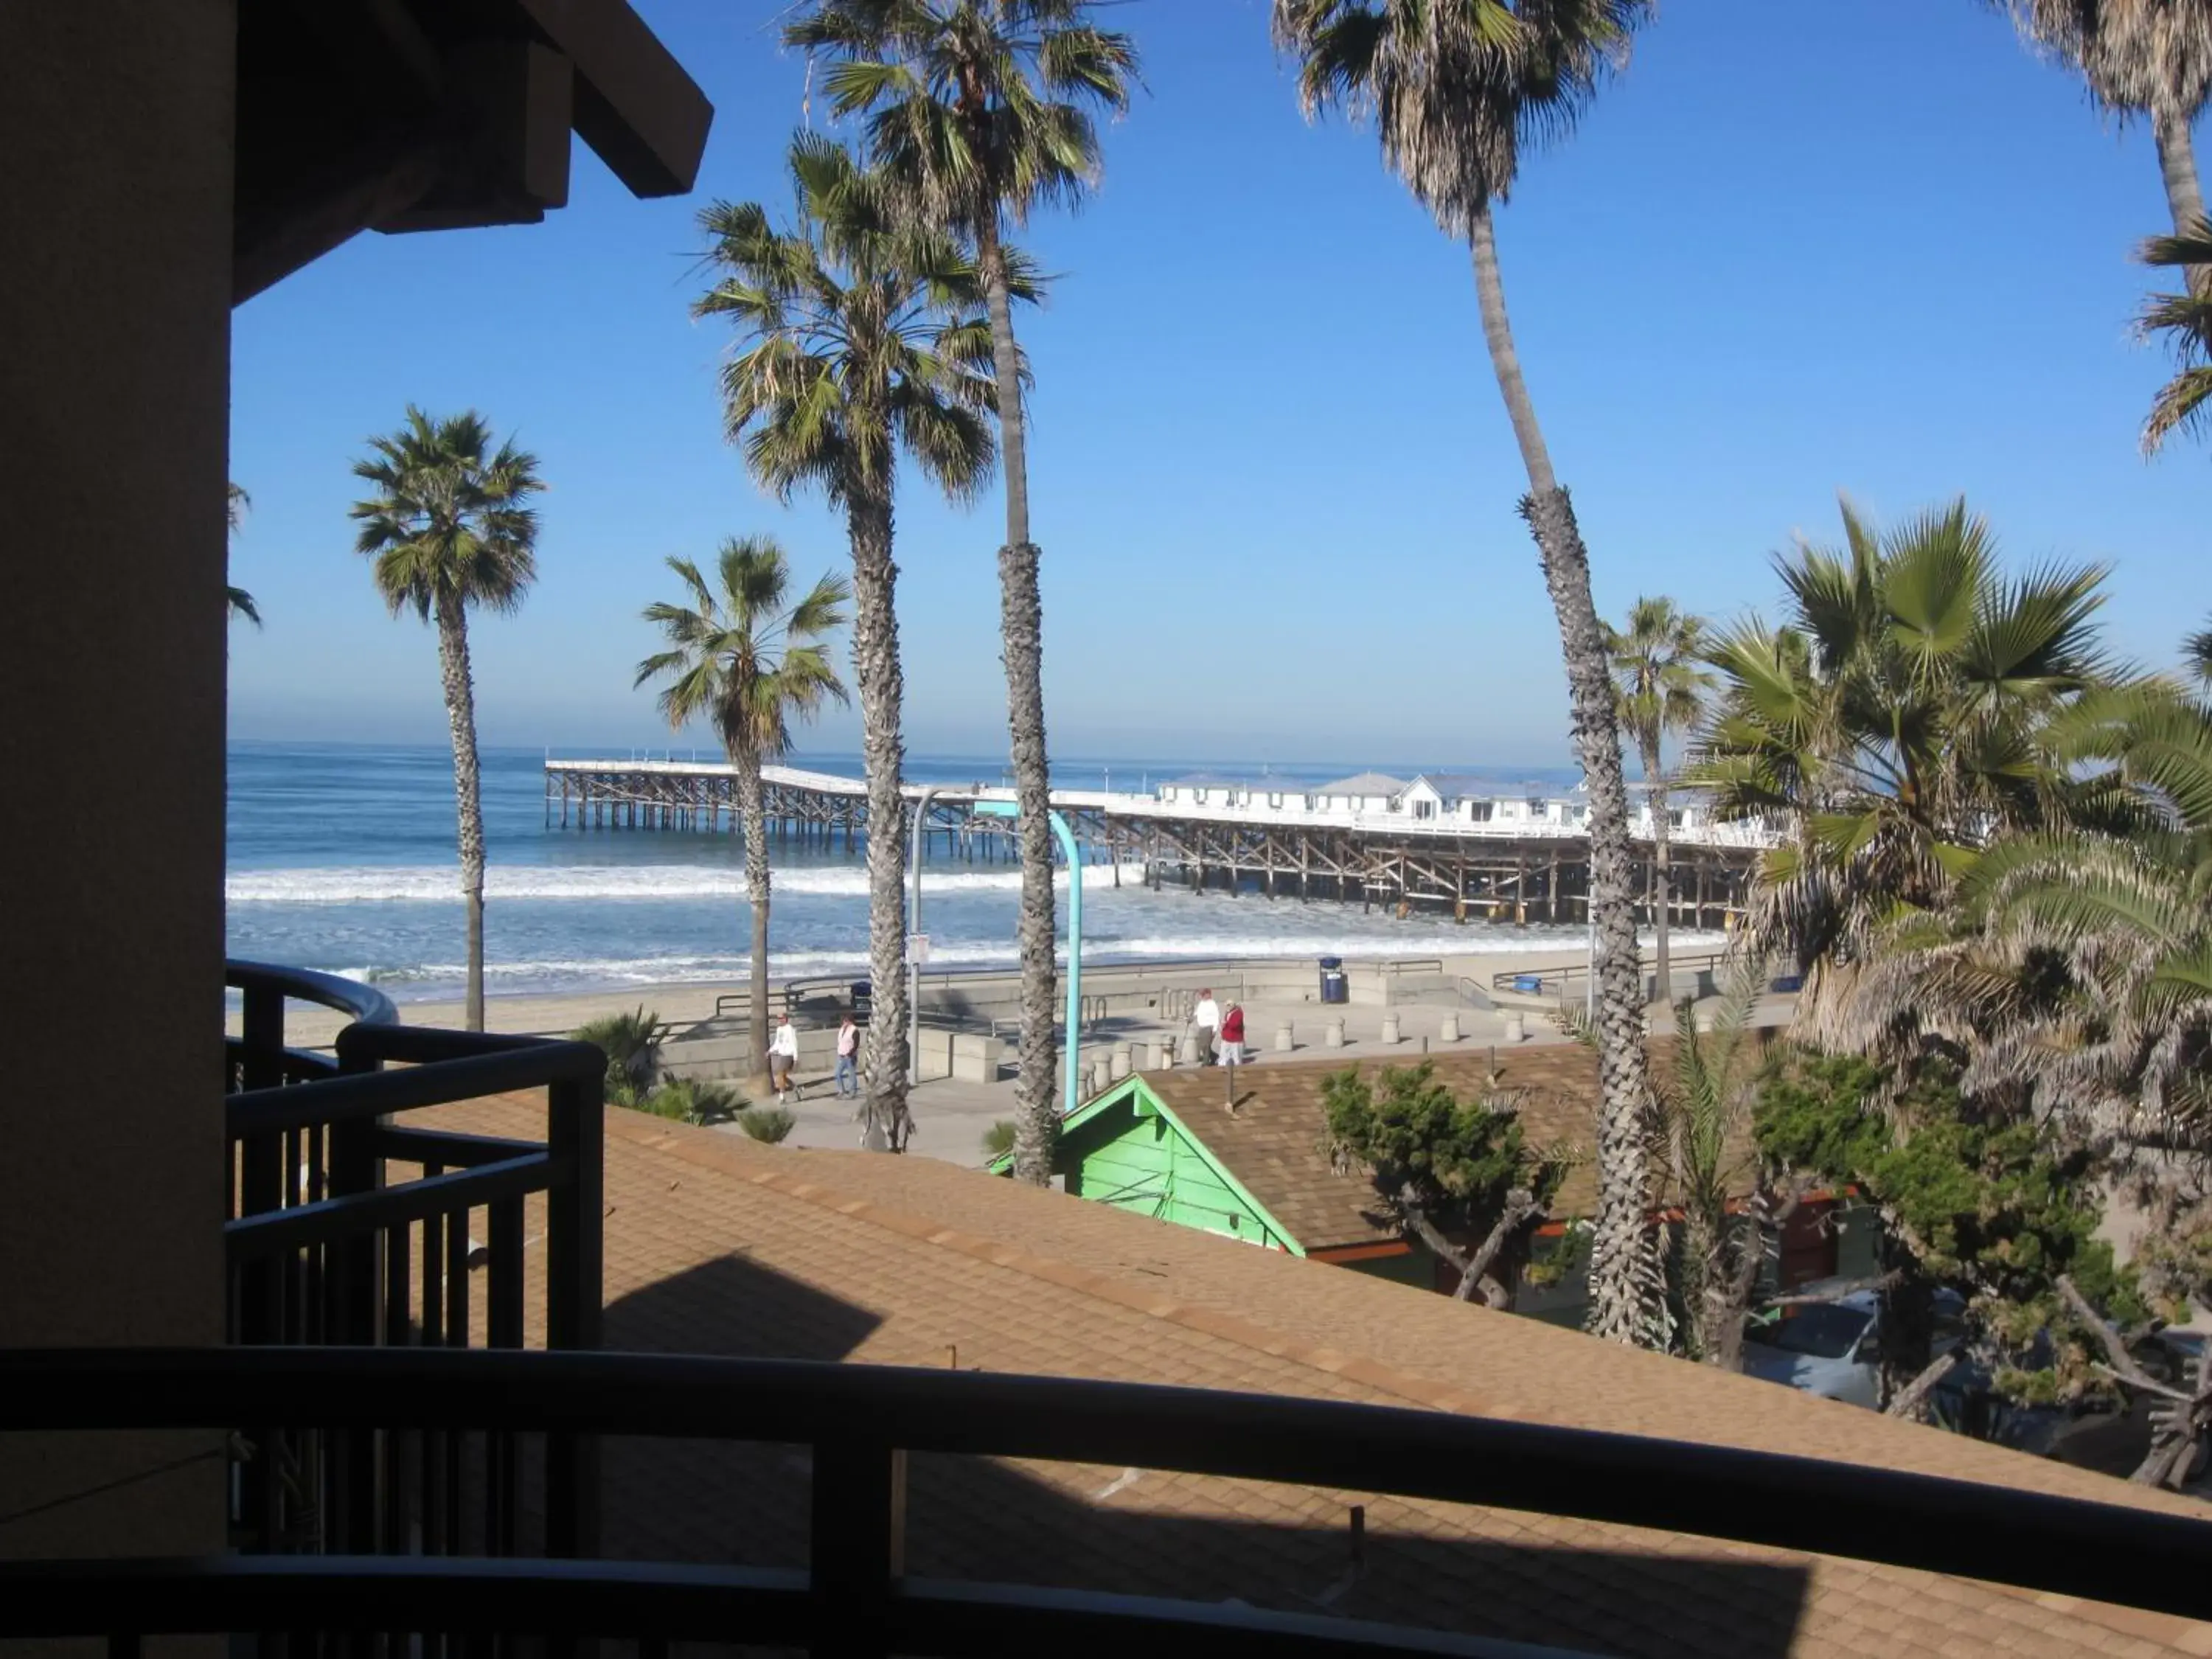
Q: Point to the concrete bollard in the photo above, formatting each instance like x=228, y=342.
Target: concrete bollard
x=1285, y=1038
x=1390, y=1028
x=1187, y=1048
x=1159, y=1054
x=1516, y=1028
x=1449, y=1031
x=1123, y=1055
x=1333, y=1036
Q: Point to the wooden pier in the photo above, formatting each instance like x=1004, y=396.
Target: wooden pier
x=1473, y=872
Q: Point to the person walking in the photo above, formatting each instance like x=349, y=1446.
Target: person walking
x=1206, y=1017
x=782, y=1054
x=1232, y=1036
x=849, y=1050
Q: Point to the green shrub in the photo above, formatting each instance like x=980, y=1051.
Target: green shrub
x=692, y=1100
x=998, y=1138
x=631, y=1043
x=767, y=1123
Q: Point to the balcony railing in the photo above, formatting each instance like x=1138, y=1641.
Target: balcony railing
x=348, y=1226
x=861, y=1422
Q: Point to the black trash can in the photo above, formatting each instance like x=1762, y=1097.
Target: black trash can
x=1333, y=986
x=863, y=993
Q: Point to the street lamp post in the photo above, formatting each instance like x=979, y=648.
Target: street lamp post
x=1065, y=837
x=913, y=933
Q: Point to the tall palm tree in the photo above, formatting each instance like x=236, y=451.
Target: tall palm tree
x=2186, y=320
x=1456, y=88
x=450, y=527
x=1661, y=684
x=980, y=109
x=2149, y=58
x=1901, y=718
x=237, y=602
x=741, y=655
x=863, y=336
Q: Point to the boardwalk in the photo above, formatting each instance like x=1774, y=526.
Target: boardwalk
x=1277, y=846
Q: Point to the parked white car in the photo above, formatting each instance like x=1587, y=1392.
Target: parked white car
x=1833, y=1349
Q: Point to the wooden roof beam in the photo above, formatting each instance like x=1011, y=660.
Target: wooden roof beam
x=635, y=105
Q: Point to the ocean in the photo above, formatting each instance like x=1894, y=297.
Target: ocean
x=341, y=857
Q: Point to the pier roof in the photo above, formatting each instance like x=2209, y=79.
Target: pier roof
x=1361, y=783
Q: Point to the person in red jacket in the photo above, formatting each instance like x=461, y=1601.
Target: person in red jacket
x=1232, y=1036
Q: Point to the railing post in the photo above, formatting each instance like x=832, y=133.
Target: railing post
x=575, y=1208
x=858, y=1547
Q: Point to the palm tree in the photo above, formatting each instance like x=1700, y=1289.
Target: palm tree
x=2077, y=960
x=2150, y=58
x=1701, y=1128
x=1456, y=88
x=742, y=657
x=2186, y=320
x=237, y=602
x=980, y=110
x=1899, y=719
x=1662, y=686
x=863, y=336
x=449, y=527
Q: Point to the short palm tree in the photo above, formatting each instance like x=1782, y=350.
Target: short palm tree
x=1456, y=88
x=236, y=600
x=743, y=656
x=1901, y=718
x=450, y=527
x=2185, y=321
x=1660, y=683
x=2149, y=58
x=980, y=109
x=863, y=336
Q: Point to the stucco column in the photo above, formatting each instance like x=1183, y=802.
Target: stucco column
x=116, y=119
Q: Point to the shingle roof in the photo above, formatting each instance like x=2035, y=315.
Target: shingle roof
x=1275, y=1143
x=716, y=1245
x=1361, y=783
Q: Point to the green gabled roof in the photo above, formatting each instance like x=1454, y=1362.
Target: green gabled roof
x=1134, y=1090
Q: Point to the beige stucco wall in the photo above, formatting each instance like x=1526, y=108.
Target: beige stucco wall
x=115, y=117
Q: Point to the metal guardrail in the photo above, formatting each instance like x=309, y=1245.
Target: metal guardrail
x=1557, y=982
x=345, y=1226
x=861, y=1422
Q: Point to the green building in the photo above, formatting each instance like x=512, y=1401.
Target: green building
x=1256, y=1167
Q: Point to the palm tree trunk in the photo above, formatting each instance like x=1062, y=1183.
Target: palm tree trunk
x=1620, y=1269
x=754, y=813
x=1021, y=620
x=1665, y=879
x=2176, y=168
x=468, y=795
x=882, y=686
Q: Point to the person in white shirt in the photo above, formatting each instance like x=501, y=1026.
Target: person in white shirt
x=849, y=1049
x=1207, y=1017
x=782, y=1054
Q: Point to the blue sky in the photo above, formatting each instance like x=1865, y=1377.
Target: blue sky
x=1800, y=248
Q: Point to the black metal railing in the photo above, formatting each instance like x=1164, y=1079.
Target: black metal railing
x=347, y=1225
x=861, y=1422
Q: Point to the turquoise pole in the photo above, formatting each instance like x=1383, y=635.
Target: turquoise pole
x=1065, y=837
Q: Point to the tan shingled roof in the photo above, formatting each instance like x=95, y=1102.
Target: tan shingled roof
x=716, y=1245
x=1275, y=1143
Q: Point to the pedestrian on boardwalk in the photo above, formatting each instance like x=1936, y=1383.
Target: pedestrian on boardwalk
x=782, y=1054
x=849, y=1049
x=1232, y=1036
x=1206, y=1017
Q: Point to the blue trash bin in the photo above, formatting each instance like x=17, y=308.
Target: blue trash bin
x=1334, y=987
x=1530, y=984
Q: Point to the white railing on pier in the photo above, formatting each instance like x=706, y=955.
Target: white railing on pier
x=1123, y=805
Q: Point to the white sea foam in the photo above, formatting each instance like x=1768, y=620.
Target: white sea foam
x=440, y=885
